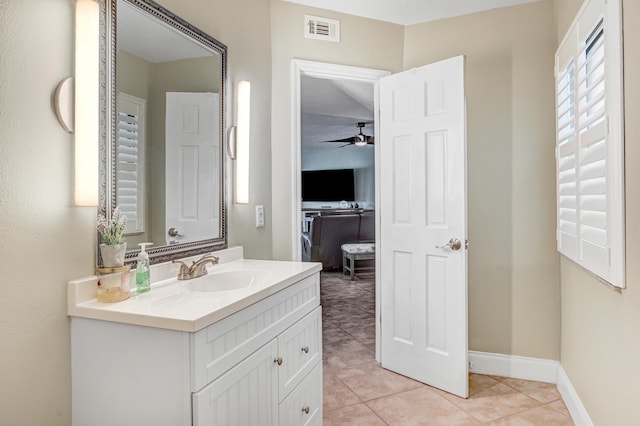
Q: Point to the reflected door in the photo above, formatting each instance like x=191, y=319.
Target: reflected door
x=192, y=146
x=423, y=261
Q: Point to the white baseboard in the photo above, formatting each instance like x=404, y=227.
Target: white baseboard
x=517, y=367
x=572, y=400
x=540, y=370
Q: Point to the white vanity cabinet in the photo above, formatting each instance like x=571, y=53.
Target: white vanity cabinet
x=261, y=365
x=256, y=389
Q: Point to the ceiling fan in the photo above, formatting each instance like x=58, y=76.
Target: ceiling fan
x=359, y=140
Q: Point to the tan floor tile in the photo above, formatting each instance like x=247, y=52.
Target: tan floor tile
x=349, y=354
x=369, y=381
x=542, y=392
x=351, y=375
x=362, y=331
x=494, y=402
x=330, y=368
x=358, y=414
x=480, y=382
x=537, y=416
x=559, y=406
x=336, y=394
x=420, y=407
x=333, y=336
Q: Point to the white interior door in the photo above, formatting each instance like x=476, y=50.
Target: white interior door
x=192, y=169
x=423, y=207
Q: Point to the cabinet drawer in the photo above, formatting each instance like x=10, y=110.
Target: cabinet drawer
x=245, y=395
x=220, y=346
x=300, y=348
x=304, y=405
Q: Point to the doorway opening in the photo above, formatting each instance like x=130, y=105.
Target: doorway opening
x=330, y=101
x=421, y=280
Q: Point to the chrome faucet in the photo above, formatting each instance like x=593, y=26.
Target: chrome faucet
x=197, y=268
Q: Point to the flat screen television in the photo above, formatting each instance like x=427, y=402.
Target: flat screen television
x=328, y=185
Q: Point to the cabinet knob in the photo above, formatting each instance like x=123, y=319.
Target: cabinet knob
x=278, y=360
x=305, y=349
x=305, y=410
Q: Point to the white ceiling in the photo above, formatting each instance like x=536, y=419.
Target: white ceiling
x=152, y=40
x=409, y=12
x=331, y=110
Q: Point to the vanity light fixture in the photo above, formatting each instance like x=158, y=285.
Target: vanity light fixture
x=240, y=150
x=76, y=102
x=86, y=102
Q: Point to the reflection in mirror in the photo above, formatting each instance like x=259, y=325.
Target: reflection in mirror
x=163, y=140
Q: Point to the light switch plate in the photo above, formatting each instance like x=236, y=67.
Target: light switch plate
x=260, y=216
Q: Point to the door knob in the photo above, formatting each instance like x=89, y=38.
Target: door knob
x=453, y=244
x=173, y=232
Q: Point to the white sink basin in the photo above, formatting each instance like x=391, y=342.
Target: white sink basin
x=224, y=281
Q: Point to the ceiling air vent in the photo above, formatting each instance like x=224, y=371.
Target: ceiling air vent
x=321, y=28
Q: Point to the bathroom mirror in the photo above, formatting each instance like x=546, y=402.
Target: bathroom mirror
x=162, y=140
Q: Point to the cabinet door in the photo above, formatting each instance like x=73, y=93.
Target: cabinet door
x=300, y=347
x=245, y=395
x=304, y=405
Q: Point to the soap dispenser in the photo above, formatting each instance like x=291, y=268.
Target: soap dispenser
x=143, y=276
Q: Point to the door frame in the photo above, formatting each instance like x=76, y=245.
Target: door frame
x=300, y=67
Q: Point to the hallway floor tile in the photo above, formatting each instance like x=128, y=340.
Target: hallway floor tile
x=357, y=391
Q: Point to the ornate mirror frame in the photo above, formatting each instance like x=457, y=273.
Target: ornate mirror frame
x=108, y=123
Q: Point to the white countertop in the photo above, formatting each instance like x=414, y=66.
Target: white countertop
x=172, y=305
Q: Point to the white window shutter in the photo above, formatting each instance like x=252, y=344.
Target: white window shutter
x=566, y=153
x=588, y=149
x=130, y=161
x=592, y=141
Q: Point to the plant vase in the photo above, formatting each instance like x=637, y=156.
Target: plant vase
x=113, y=254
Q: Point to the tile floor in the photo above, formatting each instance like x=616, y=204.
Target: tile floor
x=357, y=391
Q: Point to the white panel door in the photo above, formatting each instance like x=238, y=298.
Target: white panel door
x=423, y=207
x=192, y=168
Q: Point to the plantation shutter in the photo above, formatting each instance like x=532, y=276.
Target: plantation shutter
x=130, y=161
x=592, y=142
x=589, y=144
x=567, y=158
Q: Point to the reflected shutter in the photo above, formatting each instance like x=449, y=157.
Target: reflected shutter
x=130, y=161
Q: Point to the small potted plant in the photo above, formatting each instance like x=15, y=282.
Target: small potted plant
x=113, y=246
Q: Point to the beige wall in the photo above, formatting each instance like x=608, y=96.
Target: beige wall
x=513, y=264
x=244, y=26
x=46, y=241
x=365, y=43
x=600, y=343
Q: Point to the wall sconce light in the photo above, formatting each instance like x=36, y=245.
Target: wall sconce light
x=77, y=102
x=242, y=133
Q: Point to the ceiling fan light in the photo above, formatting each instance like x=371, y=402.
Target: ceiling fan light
x=361, y=142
